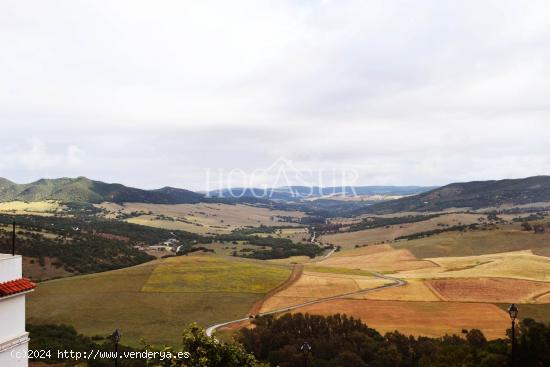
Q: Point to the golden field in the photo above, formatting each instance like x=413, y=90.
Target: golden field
x=348, y=240
x=47, y=207
x=312, y=286
x=420, y=318
x=515, y=264
x=117, y=299
x=199, y=218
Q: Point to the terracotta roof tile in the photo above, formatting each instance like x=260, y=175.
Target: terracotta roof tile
x=16, y=286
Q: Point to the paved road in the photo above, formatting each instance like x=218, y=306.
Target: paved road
x=396, y=282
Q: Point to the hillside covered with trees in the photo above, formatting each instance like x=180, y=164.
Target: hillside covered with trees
x=82, y=189
x=474, y=195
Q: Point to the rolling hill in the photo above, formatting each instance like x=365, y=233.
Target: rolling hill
x=475, y=195
x=82, y=189
x=296, y=193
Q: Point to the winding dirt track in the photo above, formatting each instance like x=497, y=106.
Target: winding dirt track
x=396, y=282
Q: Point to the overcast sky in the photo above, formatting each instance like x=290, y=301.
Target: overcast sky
x=157, y=93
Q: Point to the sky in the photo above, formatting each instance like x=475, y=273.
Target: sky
x=203, y=94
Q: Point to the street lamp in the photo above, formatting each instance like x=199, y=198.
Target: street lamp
x=305, y=349
x=116, y=338
x=513, y=312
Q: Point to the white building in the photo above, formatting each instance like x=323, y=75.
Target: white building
x=14, y=340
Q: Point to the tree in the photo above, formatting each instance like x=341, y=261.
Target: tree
x=205, y=351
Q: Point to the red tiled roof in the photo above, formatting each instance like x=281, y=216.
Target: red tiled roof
x=16, y=286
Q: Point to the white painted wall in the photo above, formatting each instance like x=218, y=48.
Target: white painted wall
x=12, y=317
x=15, y=357
x=13, y=337
x=10, y=267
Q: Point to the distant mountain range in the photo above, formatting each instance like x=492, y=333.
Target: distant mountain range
x=475, y=195
x=82, y=189
x=295, y=193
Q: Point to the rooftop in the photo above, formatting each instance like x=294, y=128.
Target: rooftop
x=16, y=286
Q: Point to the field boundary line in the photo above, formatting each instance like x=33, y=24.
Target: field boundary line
x=536, y=297
x=396, y=282
x=433, y=290
x=296, y=273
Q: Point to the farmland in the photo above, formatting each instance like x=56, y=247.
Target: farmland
x=414, y=290
x=349, y=240
x=517, y=265
x=489, y=289
x=446, y=267
x=294, y=234
x=157, y=313
x=420, y=318
x=202, y=218
x=189, y=274
x=436, y=289
x=313, y=285
x=47, y=207
x=379, y=258
x=508, y=238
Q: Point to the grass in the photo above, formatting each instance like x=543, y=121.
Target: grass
x=477, y=243
x=541, y=313
x=348, y=240
x=227, y=249
x=200, y=218
x=152, y=221
x=336, y=270
x=46, y=207
x=291, y=260
x=99, y=303
x=296, y=235
x=209, y=274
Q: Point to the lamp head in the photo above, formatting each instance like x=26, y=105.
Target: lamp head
x=513, y=311
x=117, y=335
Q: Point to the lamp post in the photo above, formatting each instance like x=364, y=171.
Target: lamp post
x=116, y=338
x=513, y=312
x=13, y=239
x=305, y=349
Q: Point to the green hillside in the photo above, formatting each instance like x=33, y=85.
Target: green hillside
x=475, y=195
x=82, y=189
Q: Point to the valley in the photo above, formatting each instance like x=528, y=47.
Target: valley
x=222, y=265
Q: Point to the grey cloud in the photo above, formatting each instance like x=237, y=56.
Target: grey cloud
x=405, y=93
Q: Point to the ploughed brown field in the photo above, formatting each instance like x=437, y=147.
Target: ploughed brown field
x=311, y=286
x=420, y=318
x=499, y=290
x=442, y=295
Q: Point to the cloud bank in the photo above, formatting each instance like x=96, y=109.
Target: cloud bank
x=149, y=95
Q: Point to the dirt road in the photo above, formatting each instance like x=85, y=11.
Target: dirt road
x=396, y=282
